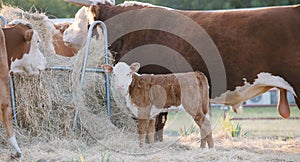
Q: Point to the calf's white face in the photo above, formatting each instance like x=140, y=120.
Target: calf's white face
x=75, y=35
x=122, y=75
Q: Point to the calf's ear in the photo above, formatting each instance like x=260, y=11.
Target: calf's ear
x=28, y=34
x=107, y=68
x=135, y=67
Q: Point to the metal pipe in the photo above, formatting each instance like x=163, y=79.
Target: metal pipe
x=87, y=48
x=84, y=68
x=108, y=108
x=12, y=97
x=69, y=68
x=4, y=20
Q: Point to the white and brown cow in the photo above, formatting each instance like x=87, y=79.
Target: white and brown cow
x=58, y=43
x=19, y=54
x=147, y=95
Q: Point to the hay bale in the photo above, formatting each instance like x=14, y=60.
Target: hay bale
x=40, y=112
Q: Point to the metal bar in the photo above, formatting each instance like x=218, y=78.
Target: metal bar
x=4, y=20
x=84, y=68
x=266, y=118
x=107, y=82
x=12, y=97
x=69, y=68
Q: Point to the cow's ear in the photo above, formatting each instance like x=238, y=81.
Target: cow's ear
x=135, y=67
x=107, y=68
x=28, y=34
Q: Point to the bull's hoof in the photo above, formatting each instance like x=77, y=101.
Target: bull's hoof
x=17, y=155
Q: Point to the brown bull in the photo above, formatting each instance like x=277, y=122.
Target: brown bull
x=257, y=49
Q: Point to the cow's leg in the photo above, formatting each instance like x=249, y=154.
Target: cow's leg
x=151, y=131
x=6, y=115
x=143, y=125
x=297, y=99
x=160, y=124
x=8, y=126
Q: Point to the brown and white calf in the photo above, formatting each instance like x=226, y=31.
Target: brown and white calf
x=19, y=54
x=147, y=95
x=58, y=43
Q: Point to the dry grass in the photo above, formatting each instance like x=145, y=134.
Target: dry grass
x=185, y=150
x=46, y=105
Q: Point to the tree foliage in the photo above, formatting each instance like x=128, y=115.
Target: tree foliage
x=60, y=8
x=53, y=8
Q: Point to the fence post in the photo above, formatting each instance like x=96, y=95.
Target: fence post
x=83, y=69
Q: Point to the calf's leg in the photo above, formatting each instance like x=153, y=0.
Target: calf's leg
x=151, y=131
x=205, y=130
x=143, y=125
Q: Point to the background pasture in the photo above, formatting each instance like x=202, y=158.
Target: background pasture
x=284, y=128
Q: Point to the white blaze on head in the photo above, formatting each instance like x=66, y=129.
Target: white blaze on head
x=75, y=35
x=33, y=62
x=122, y=75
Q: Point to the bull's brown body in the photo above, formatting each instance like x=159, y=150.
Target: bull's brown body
x=249, y=41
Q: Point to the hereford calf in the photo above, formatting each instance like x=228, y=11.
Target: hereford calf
x=147, y=95
x=58, y=43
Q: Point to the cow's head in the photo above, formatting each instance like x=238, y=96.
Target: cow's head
x=121, y=75
x=23, y=52
x=58, y=43
x=76, y=34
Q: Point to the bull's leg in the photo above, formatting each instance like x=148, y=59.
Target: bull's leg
x=160, y=124
x=8, y=126
x=205, y=130
x=143, y=125
x=297, y=101
x=151, y=131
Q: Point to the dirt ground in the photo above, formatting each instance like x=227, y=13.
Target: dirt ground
x=184, y=149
